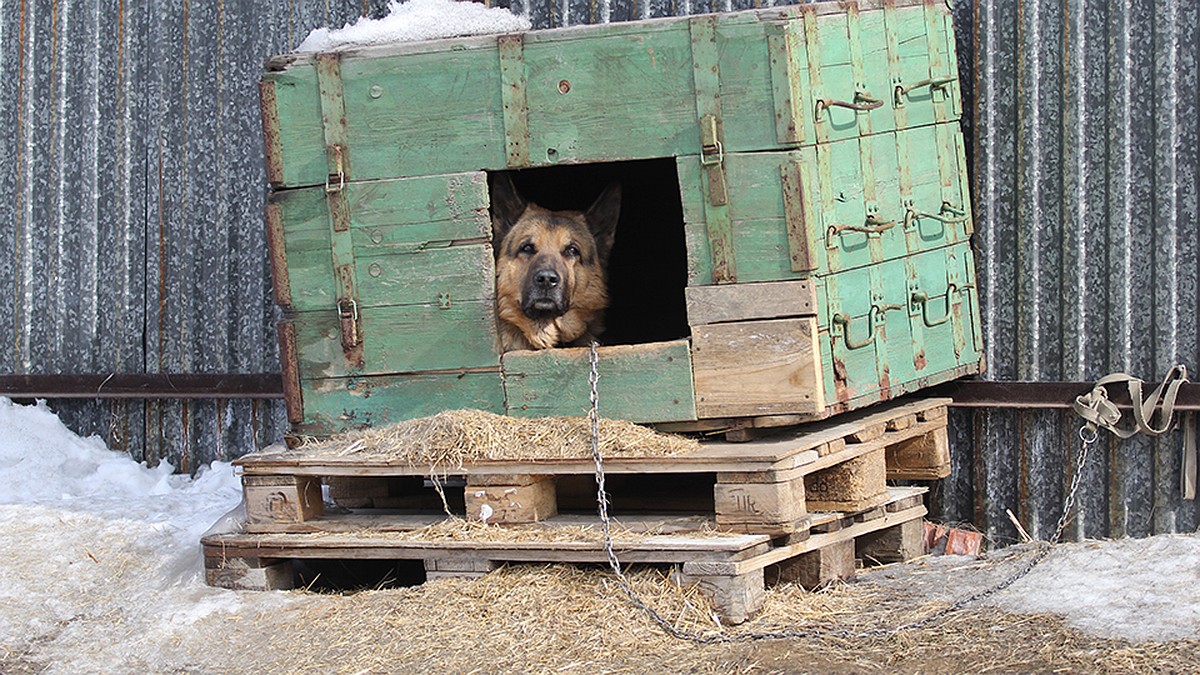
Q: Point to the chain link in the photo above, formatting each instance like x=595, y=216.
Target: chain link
x=1043, y=550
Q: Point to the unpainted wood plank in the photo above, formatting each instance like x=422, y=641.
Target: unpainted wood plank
x=756, y=368
x=742, y=302
x=814, y=542
x=867, y=433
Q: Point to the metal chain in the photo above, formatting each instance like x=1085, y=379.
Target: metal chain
x=674, y=631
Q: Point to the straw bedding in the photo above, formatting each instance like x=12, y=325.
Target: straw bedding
x=452, y=439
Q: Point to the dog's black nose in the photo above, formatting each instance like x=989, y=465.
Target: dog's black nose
x=546, y=278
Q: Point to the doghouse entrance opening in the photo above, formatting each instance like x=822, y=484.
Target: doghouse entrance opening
x=647, y=270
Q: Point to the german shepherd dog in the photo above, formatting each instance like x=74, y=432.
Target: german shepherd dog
x=551, y=282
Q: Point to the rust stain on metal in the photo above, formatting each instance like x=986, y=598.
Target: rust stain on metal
x=885, y=385
x=919, y=360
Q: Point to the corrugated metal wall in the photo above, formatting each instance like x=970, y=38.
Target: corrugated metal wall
x=132, y=191
x=1085, y=174
x=133, y=182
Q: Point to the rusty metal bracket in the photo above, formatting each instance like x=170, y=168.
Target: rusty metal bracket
x=921, y=298
x=948, y=214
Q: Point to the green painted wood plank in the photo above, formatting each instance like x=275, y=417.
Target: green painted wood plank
x=339, y=404
x=597, y=93
x=748, y=100
x=401, y=231
x=403, y=339
x=424, y=114
x=639, y=383
x=302, y=159
x=429, y=276
x=628, y=95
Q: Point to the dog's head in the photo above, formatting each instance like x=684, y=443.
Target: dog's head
x=554, y=260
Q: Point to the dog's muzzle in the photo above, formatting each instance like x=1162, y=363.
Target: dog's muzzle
x=544, y=296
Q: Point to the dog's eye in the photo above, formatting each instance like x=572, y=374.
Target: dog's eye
x=571, y=251
x=528, y=248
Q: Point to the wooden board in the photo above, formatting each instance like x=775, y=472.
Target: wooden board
x=603, y=92
x=795, y=451
x=756, y=368
x=741, y=302
x=407, y=339
x=641, y=383
x=338, y=404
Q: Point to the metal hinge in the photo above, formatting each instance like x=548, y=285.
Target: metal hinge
x=712, y=158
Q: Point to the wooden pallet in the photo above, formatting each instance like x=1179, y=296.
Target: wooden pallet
x=730, y=568
x=767, y=486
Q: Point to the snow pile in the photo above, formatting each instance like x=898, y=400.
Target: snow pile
x=1134, y=589
x=416, y=20
x=101, y=554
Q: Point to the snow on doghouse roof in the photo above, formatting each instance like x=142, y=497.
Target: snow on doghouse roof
x=416, y=20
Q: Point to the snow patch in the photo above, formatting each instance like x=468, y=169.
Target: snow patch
x=1134, y=589
x=416, y=20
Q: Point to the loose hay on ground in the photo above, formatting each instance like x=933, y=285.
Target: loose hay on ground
x=450, y=440
x=558, y=617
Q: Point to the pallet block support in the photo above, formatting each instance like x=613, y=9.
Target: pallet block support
x=507, y=498
x=759, y=503
x=282, y=498
x=854, y=485
x=736, y=598
x=249, y=574
x=898, y=543
x=457, y=568
x=925, y=457
x=818, y=568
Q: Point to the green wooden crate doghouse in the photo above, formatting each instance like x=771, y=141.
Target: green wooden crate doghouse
x=794, y=237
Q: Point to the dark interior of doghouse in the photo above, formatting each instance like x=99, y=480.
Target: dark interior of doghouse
x=647, y=269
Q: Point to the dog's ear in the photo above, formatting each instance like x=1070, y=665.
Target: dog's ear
x=507, y=206
x=602, y=218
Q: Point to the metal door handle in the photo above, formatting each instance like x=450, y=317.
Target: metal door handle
x=844, y=321
x=922, y=298
x=932, y=83
x=877, y=313
x=948, y=214
x=862, y=101
x=872, y=225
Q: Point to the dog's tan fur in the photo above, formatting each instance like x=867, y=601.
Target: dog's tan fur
x=574, y=244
